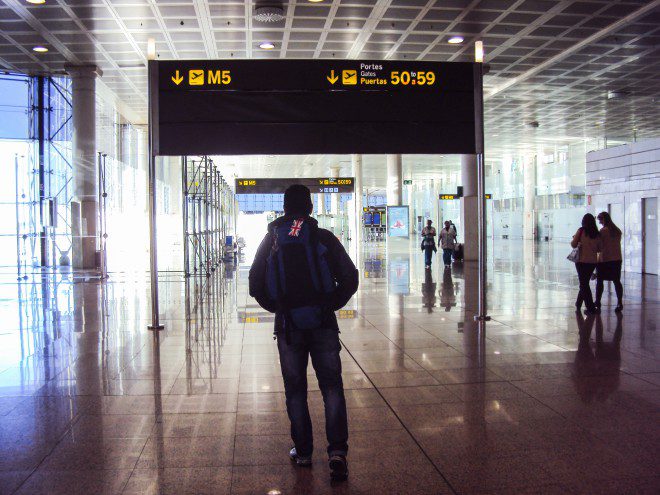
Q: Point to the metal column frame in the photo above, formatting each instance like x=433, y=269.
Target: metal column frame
x=103, y=220
x=153, y=152
x=481, y=186
x=18, y=222
x=184, y=216
x=204, y=194
x=41, y=143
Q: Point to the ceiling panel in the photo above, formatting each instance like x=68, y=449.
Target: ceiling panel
x=537, y=50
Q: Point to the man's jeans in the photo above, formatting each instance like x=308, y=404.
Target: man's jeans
x=323, y=345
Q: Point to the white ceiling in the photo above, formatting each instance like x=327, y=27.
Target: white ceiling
x=374, y=168
x=552, y=62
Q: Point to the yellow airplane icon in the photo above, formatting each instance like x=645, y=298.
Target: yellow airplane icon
x=349, y=77
x=196, y=77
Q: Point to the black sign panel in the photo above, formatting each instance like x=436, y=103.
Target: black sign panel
x=278, y=186
x=458, y=196
x=235, y=107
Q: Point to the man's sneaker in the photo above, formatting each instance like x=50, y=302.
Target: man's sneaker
x=338, y=467
x=299, y=459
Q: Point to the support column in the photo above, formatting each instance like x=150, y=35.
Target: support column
x=335, y=223
x=85, y=172
x=469, y=208
x=356, y=161
x=321, y=203
x=394, y=180
x=334, y=199
x=529, y=197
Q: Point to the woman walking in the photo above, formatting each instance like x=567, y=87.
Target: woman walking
x=428, y=243
x=610, y=260
x=587, y=239
x=447, y=242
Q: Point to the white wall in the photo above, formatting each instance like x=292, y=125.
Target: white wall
x=507, y=223
x=558, y=224
x=623, y=175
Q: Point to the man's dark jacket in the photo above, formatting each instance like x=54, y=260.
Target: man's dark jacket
x=343, y=272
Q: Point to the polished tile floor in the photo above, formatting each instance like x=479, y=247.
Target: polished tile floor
x=540, y=400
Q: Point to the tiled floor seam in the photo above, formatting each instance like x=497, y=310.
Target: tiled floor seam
x=233, y=453
x=128, y=479
x=451, y=487
x=59, y=440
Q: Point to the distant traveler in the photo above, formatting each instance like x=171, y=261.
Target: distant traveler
x=447, y=242
x=428, y=243
x=303, y=274
x=609, y=260
x=453, y=228
x=588, y=240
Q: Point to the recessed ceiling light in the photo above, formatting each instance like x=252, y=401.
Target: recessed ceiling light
x=40, y=49
x=315, y=1
x=266, y=45
x=455, y=40
x=36, y=2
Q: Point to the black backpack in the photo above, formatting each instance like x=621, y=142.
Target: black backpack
x=298, y=276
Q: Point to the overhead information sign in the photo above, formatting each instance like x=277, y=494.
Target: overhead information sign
x=458, y=196
x=278, y=186
x=235, y=107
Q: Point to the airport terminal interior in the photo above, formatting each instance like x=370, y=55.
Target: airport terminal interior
x=147, y=145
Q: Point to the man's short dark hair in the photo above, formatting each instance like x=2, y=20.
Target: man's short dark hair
x=298, y=200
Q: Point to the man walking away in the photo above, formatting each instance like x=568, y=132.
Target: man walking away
x=428, y=243
x=447, y=242
x=303, y=274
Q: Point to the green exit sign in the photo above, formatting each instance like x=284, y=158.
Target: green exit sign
x=407, y=182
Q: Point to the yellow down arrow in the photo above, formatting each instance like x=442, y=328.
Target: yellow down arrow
x=332, y=78
x=176, y=79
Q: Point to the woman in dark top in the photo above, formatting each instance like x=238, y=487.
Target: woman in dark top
x=588, y=240
x=609, y=260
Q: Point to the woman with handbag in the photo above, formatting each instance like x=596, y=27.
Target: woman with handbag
x=587, y=241
x=610, y=260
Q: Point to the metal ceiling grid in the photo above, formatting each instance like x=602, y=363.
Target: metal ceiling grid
x=568, y=97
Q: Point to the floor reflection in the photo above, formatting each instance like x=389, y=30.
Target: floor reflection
x=428, y=291
x=539, y=400
x=602, y=358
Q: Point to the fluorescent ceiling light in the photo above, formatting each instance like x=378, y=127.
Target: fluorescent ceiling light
x=151, y=49
x=40, y=49
x=455, y=40
x=479, y=51
x=266, y=45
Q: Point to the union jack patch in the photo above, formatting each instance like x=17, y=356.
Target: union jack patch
x=296, y=227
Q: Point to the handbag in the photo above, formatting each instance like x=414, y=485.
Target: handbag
x=574, y=255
